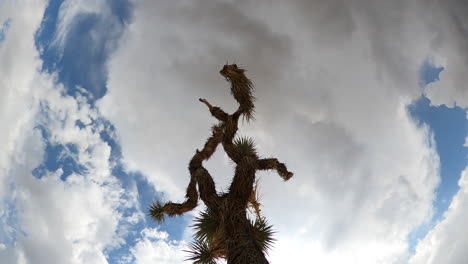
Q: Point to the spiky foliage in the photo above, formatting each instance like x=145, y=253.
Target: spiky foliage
x=241, y=89
x=156, y=212
x=210, y=244
x=201, y=253
x=206, y=225
x=224, y=230
x=245, y=146
x=263, y=233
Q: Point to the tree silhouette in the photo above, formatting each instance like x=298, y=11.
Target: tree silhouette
x=224, y=230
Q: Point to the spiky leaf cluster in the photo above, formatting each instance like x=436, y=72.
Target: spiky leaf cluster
x=206, y=247
x=201, y=253
x=209, y=244
x=156, y=211
x=241, y=88
x=263, y=233
x=245, y=146
x=206, y=225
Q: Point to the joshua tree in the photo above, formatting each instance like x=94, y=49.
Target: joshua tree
x=224, y=230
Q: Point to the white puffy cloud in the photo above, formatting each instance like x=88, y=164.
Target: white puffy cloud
x=448, y=240
x=332, y=80
x=449, y=28
x=17, y=78
x=80, y=215
x=154, y=246
x=73, y=220
x=17, y=71
x=49, y=219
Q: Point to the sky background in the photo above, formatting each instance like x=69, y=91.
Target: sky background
x=365, y=101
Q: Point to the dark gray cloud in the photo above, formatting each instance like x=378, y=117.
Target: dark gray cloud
x=333, y=19
x=332, y=80
x=449, y=39
x=238, y=37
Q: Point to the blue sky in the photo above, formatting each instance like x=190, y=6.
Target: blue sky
x=449, y=127
x=4, y=29
x=110, y=118
x=78, y=65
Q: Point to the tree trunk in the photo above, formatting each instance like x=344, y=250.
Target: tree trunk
x=242, y=247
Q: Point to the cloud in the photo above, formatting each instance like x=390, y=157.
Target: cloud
x=332, y=83
x=332, y=80
x=68, y=13
x=17, y=72
x=449, y=38
x=89, y=29
x=4, y=29
x=449, y=35
x=78, y=219
x=48, y=219
x=447, y=241
x=154, y=246
x=194, y=82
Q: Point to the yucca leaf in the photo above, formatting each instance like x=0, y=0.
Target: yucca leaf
x=263, y=233
x=205, y=226
x=201, y=252
x=245, y=145
x=156, y=211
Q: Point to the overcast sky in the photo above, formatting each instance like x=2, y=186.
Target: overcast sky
x=364, y=100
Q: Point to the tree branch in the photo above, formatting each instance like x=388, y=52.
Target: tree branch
x=215, y=111
x=198, y=175
x=270, y=164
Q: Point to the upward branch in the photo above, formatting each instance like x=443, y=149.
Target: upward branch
x=241, y=89
x=198, y=174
